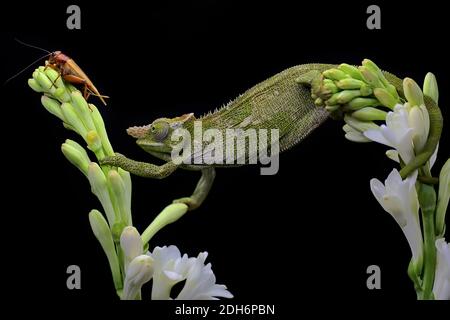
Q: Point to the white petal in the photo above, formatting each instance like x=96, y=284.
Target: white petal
x=393, y=155
x=378, y=189
x=377, y=136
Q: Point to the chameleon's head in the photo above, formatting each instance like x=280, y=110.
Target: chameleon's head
x=156, y=137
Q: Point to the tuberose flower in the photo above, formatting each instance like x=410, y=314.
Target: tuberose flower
x=441, y=288
x=396, y=133
x=399, y=198
x=170, y=268
x=406, y=130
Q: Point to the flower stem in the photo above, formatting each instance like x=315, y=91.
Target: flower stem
x=427, y=199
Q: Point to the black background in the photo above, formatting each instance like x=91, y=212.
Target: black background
x=307, y=233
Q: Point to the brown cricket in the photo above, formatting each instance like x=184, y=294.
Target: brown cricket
x=67, y=69
x=72, y=73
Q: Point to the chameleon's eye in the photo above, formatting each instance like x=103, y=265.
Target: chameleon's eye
x=160, y=130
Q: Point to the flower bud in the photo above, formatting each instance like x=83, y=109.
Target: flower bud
x=370, y=77
x=99, y=187
x=131, y=242
x=170, y=214
x=369, y=114
x=385, y=98
x=35, y=85
x=443, y=197
x=412, y=91
x=140, y=271
x=335, y=74
x=347, y=84
x=430, y=87
x=72, y=118
x=93, y=141
x=359, y=103
x=52, y=106
x=76, y=158
x=351, y=71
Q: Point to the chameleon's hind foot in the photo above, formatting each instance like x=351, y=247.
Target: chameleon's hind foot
x=190, y=202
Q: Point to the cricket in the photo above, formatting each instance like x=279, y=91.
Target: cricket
x=68, y=69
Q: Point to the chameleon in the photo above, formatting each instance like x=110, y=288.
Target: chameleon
x=281, y=102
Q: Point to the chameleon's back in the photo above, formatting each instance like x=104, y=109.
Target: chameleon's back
x=276, y=103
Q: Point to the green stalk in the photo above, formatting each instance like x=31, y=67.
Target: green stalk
x=427, y=200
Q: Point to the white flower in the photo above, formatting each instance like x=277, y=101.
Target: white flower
x=170, y=268
x=419, y=122
x=399, y=198
x=139, y=271
x=397, y=133
x=441, y=287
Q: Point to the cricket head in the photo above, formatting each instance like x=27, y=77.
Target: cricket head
x=157, y=136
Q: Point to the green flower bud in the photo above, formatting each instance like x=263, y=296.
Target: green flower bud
x=347, y=95
x=54, y=77
x=371, y=78
x=72, y=118
x=335, y=74
x=359, y=103
x=385, y=98
x=52, y=106
x=82, y=109
x=45, y=82
x=443, y=197
x=69, y=127
x=170, y=214
x=35, y=85
x=369, y=114
x=332, y=108
x=76, y=158
x=393, y=91
x=369, y=64
x=366, y=90
x=61, y=94
x=359, y=125
x=79, y=148
x=118, y=189
x=126, y=178
x=430, y=87
x=412, y=91
x=99, y=187
x=101, y=130
x=346, y=84
x=351, y=71
x=93, y=141
x=103, y=234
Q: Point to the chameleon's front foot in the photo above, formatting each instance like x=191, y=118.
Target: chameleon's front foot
x=143, y=169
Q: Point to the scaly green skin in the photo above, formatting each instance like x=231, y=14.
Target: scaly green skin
x=276, y=103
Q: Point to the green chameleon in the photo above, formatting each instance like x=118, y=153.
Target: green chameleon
x=282, y=102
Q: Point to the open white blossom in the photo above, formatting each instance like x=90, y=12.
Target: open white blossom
x=399, y=198
x=170, y=268
x=441, y=288
x=406, y=130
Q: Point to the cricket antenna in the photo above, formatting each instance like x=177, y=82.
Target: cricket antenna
x=31, y=46
x=21, y=71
